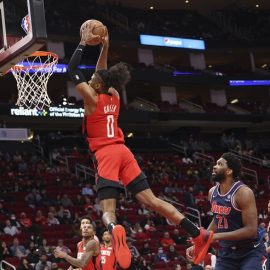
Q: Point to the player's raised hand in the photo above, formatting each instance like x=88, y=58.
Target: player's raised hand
x=190, y=253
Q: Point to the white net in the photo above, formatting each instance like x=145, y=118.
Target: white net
x=32, y=75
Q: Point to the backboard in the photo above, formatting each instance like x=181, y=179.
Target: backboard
x=22, y=30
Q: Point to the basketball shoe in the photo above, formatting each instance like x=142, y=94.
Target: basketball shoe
x=201, y=244
x=121, y=249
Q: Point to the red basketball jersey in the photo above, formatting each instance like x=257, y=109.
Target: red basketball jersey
x=107, y=258
x=92, y=265
x=101, y=127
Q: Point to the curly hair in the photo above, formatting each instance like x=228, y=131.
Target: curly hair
x=116, y=77
x=233, y=163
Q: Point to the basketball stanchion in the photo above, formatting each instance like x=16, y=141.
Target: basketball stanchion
x=32, y=76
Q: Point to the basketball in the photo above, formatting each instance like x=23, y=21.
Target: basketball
x=99, y=30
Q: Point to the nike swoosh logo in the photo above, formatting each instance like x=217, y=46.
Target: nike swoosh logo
x=256, y=245
x=79, y=49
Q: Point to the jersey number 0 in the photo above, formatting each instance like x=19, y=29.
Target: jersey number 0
x=110, y=129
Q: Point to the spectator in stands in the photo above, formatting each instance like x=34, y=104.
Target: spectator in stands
x=62, y=247
x=66, y=201
x=44, y=248
x=4, y=251
x=145, y=250
x=141, y=235
x=25, y=265
x=14, y=221
x=43, y=263
x=88, y=204
x=97, y=207
x=32, y=253
x=17, y=157
x=33, y=198
x=200, y=197
x=161, y=256
x=52, y=209
x=142, y=210
x=166, y=240
x=64, y=215
x=143, y=264
x=79, y=201
x=55, y=266
x=150, y=226
x=172, y=253
x=10, y=229
x=87, y=190
x=177, y=238
x=3, y=211
x=134, y=251
x=25, y=222
x=189, y=199
x=40, y=219
x=18, y=250
x=51, y=220
x=177, y=267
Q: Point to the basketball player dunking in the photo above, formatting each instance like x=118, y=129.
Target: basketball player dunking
x=88, y=249
x=115, y=162
x=235, y=219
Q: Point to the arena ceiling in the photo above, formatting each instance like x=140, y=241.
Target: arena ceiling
x=192, y=4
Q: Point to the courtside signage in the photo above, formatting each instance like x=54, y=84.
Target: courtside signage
x=249, y=82
x=174, y=42
x=51, y=112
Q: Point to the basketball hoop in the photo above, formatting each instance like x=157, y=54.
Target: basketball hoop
x=32, y=75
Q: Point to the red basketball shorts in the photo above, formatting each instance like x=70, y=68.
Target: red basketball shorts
x=116, y=163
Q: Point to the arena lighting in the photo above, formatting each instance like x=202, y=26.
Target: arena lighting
x=174, y=42
x=249, y=82
x=130, y=135
x=234, y=101
x=180, y=73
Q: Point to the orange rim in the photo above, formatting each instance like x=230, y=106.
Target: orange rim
x=36, y=54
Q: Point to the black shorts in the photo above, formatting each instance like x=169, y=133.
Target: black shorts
x=108, y=189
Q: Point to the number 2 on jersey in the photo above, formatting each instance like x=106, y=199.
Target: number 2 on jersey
x=222, y=222
x=110, y=130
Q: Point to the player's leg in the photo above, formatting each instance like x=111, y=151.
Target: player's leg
x=227, y=264
x=136, y=183
x=108, y=189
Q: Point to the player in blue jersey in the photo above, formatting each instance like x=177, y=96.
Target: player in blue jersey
x=234, y=218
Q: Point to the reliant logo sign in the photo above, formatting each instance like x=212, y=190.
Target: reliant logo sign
x=50, y=112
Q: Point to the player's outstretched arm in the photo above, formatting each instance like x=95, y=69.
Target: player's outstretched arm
x=102, y=62
x=245, y=201
x=86, y=91
x=90, y=249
